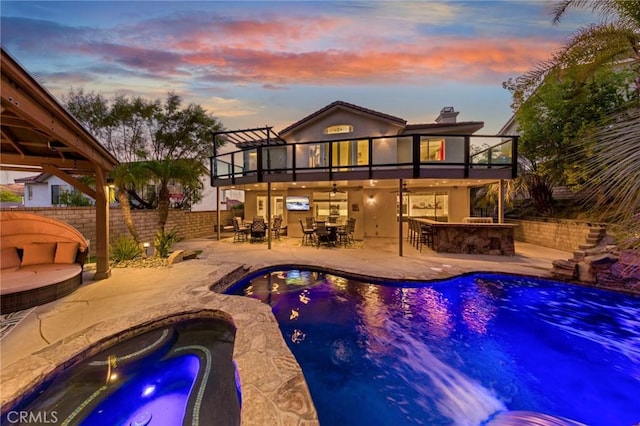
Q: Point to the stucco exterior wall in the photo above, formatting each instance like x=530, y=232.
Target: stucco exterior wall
x=363, y=127
x=380, y=213
x=459, y=202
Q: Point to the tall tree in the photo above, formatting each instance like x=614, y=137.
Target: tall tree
x=180, y=143
x=118, y=125
x=154, y=140
x=562, y=112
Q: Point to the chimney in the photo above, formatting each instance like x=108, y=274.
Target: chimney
x=447, y=115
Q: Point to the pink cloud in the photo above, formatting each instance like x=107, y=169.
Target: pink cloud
x=309, y=50
x=460, y=59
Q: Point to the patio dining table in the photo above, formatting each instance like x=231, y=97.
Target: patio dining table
x=332, y=228
x=333, y=231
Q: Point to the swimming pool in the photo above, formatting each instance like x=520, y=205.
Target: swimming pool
x=171, y=375
x=459, y=351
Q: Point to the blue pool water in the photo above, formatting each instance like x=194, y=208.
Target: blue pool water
x=459, y=351
x=159, y=392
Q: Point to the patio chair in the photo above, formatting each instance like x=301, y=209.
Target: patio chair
x=310, y=222
x=276, y=226
x=240, y=231
x=343, y=235
x=307, y=234
x=258, y=230
x=345, y=232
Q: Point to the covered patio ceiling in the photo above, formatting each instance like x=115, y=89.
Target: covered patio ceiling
x=39, y=135
x=381, y=184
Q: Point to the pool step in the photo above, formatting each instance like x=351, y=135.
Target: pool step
x=578, y=256
x=564, y=269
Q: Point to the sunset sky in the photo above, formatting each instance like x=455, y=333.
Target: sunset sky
x=271, y=63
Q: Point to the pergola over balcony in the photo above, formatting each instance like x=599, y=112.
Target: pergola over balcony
x=39, y=135
x=406, y=156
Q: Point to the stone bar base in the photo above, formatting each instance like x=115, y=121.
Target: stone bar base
x=473, y=238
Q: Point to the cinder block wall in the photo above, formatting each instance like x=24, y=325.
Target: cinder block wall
x=189, y=224
x=559, y=234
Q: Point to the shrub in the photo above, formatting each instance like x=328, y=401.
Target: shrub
x=9, y=196
x=74, y=199
x=164, y=241
x=124, y=248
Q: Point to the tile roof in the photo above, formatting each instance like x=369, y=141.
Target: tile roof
x=347, y=105
x=41, y=178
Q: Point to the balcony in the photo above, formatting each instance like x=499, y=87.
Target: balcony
x=417, y=156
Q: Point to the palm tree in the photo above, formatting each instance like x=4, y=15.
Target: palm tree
x=615, y=40
x=184, y=171
x=616, y=182
x=125, y=177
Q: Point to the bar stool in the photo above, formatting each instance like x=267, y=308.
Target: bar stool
x=426, y=235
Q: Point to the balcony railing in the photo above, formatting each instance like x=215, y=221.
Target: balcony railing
x=404, y=156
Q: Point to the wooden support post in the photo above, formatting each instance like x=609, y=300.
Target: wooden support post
x=103, y=269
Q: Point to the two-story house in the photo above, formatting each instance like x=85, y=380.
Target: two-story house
x=348, y=161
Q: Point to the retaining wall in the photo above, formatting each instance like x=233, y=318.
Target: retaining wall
x=189, y=224
x=559, y=234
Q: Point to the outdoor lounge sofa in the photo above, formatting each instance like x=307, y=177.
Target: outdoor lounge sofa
x=42, y=260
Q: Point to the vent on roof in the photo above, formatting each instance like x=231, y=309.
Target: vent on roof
x=447, y=115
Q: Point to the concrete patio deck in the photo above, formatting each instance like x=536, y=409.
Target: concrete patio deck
x=274, y=391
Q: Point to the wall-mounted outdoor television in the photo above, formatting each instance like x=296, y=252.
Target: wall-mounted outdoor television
x=297, y=202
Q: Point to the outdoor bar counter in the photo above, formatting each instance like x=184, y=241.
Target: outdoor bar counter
x=472, y=238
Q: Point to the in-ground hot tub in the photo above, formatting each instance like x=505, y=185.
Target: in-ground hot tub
x=171, y=375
